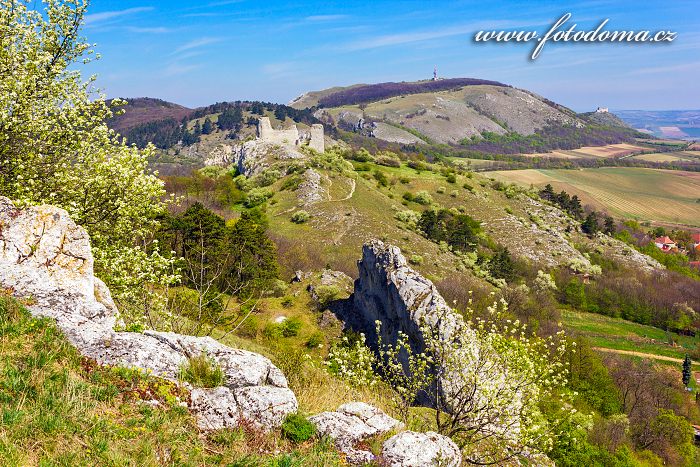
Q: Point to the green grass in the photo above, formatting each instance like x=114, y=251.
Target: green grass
x=59, y=409
x=618, y=334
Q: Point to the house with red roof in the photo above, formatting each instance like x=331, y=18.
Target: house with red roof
x=695, y=238
x=665, y=244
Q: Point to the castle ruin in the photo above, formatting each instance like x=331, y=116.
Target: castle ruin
x=291, y=136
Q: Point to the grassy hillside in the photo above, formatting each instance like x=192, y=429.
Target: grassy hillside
x=57, y=408
x=634, y=193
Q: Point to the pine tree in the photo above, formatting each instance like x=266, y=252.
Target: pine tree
x=590, y=224
x=280, y=113
x=547, y=192
x=208, y=127
x=686, y=371
x=575, y=208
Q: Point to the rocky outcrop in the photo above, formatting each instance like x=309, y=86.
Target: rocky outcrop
x=411, y=449
x=351, y=423
x=46, y=257
x=390, y=291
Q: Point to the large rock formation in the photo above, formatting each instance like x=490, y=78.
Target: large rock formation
x=46, y=257
x=390, y=291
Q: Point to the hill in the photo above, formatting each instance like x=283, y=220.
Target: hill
x=442, y=111
x=142, y=110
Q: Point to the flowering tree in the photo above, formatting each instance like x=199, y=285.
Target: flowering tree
x=486, y=379
x=55, y=147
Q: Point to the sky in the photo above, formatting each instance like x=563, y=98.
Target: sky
x=196, y=53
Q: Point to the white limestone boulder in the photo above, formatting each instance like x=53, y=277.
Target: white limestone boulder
x=411, y=449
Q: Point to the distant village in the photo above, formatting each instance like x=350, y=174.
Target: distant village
x=668, y=245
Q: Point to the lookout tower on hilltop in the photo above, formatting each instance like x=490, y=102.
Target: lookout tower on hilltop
x=435, y=76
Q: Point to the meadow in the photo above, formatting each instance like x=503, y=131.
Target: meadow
x=662, y=196
x=620, y=335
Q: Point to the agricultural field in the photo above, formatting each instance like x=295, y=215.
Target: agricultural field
x=608, y=151
x=675, y=156
x=662, y=196
x=626, y=337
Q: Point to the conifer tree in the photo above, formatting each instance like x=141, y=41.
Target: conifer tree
x=686, y=371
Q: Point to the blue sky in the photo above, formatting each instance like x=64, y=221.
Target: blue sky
x=197, y=53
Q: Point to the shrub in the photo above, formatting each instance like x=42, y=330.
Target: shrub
x=381, y=178
x=454, y=193
x=315, y=340
x=300, y=217
x=388, y=161
x=326, y=294
x=404, y=180
x=423, y=197
x=287, y=302
x=256, y=197
x=353, y=361
x=408, y=196
x=468, y=187
x=415, y=259
x=451, y=178
x=408, y=216
x=441, y=189
x=290, y=327
x=291, y=183
x=202, y=371
x=297, y=428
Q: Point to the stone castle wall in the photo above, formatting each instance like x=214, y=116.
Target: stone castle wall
x=291, y=136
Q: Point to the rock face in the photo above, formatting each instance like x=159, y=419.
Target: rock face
x=411, y=449
x=352, y=423
x=44, y=255
x=390, y=291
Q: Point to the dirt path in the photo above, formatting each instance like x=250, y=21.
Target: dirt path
x=641, y=354
x=352, y=190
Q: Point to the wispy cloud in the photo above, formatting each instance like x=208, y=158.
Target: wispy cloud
x=324, y=18
x=420, y=36
x=154, y=30
x=223, y=3
x=201, y=42
x=110, y=15
x=695, y=66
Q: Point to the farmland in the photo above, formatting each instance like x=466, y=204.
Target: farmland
x=607, y=151
x=618, y=334
x=662, y=196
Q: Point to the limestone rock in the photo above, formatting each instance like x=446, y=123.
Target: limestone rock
x=46, y=256
x=216, y=408
x=351, y=423
x=310, y=190
x=390, y=291
x=411, y=449
x=265, y=406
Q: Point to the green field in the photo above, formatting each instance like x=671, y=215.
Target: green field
x=666, y=196
x=618, y=334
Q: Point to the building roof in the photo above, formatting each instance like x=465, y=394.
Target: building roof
x=663, y=240
x=695, y=237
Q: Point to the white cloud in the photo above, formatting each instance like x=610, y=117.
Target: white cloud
x=324, y=18
x=420, y=36
x=107, y=15
x=201, y=42
x=154, y=30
